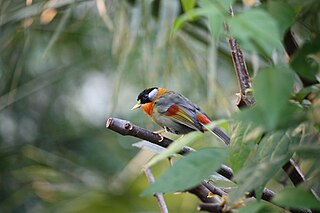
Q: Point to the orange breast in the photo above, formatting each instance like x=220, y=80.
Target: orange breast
x=148, y=107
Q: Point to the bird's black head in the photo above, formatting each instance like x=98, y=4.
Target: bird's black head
x=147, y=95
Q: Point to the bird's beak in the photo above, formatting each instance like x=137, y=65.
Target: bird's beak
x=138, y=105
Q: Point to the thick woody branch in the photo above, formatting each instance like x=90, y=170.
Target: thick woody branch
x=124, y=127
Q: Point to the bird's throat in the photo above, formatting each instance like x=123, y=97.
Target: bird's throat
x=147, y=108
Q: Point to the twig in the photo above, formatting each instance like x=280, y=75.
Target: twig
x=246, y=96
x=213, y=189
x=159, y=196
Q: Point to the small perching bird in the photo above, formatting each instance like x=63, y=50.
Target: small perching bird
x=174, y=112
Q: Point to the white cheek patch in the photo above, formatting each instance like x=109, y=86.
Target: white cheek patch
x=152, y=94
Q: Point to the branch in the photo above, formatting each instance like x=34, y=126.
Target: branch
x=247, y=99
x=124, y=127
x=159, y=196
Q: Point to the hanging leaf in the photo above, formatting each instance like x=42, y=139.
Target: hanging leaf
x=188, y=4
x=282, y=12
x=215, y=11
x=218, y=14
x=256, y=31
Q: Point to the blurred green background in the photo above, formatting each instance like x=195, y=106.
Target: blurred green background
x=65, y=67
x=68, y=65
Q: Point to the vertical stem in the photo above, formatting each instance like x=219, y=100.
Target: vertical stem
x=246, y=98
x=159, y=196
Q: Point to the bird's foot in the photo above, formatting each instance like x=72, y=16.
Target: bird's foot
x=159, y=133
x=161, y=137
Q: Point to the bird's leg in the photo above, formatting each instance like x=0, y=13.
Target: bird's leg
x=165, y=129
x=159, y=131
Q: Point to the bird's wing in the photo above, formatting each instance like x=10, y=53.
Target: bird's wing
x=180, y=109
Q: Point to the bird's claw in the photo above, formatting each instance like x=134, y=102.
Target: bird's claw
x=161, y=137
x=159, y=133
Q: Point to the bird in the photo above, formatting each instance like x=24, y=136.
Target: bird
x=174, y=112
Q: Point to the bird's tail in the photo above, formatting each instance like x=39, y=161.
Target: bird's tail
x=204, y=119
x=221, y=135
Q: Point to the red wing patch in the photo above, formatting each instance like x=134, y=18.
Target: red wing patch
x=203, y=119
x=173, y=110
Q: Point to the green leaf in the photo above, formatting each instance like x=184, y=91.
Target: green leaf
x=240, y=147
x=176, y=146
x=271, y=155
x=256, y=31
x=296, y=198
x=303, y=93
x=307, y=151
x=189, y=171
x=275, y=145
x=273, y=88
x=260, y=207
x=218, y=14
x=149, y=146
x=251, y=207
x=188, y=4
x=273, y=110
x=189, y=16
x=221, y=181
x=306, y=61
x=283, y=13
x=251, y=177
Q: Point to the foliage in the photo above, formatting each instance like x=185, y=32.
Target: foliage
x=67, y=65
